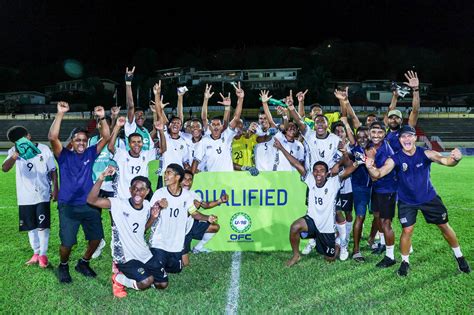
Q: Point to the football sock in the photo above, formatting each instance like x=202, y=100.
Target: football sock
x=43, y=240
x=382, y=239
x=34, y=240
x=389, y=251
x=341, y=230
x=123, y=280
x=405, y=258
x=457, y=251
x=348, y=229
x=206, y=238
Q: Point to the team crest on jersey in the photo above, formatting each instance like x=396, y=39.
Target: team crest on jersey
x=209, y=147
x=321, y=153
x=181, y=147
x=41, y=158
x=404, y=167
x=330, y=146
x=125, y=214
x=143, y=158
x=325, y=191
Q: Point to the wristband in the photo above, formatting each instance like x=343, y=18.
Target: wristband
x=227, y=108
x=128, y=82
x=285, y=117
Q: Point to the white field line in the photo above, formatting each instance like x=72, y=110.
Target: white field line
x=233, y=292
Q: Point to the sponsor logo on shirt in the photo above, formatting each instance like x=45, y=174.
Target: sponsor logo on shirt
x=404, y=167
x=419, y=164
x=86, y=162
x=125, y=214
x=325, y=191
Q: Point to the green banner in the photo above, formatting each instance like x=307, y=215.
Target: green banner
x=260, y=209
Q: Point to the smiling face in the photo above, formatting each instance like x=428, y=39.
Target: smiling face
x=362, y=138
x=340, y=131
x=140, y=118
x=136, y=144
x=79, y=142
x=394, y=122
x=320, y=174
x=370, y=119
x=408, y=140
x=138, y=191
x=263, y=122
x=315, y=111
x=187, y=182
x=377, y=135
x=175, y=126
x=196, y=129
x=171, y=177
x=216, y=128
x=292, y=131
x=321, y=126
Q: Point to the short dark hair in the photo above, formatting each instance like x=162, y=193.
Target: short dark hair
x=174, y=118
x=188, y=172
x=321, y=163
x=178, y=169
x=325, y=118
x=371, y=115
x=378, y=125
x=217, y=118
x=315, y=105
x=362, y=128
x=139, y=109
x=77, y=130
x=141, y=179
x=15, y=133
x=135, y=134
x=337, y=124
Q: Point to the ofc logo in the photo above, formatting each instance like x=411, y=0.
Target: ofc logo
x=241, y=222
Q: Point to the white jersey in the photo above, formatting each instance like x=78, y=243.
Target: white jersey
x=322, y=202
x=129, y=167
x=266, y=156
x=321, y=149
x=190, y=222
x=128, y=231
x=33, y=181
x=295, y=149
x=169, y=230
x=192, y=147
x=346, y=186
x=217, y=154
x=176, y=152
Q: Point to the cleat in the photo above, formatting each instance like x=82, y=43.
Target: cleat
x=63, y=273
x=358, y=257
x=84, y=268
x=463, y=266
x=202, y=250
x=43, y=261
x=344, y=254
x=33, y=260
x=403, y=270
x=386, y=262
x=98, y=251
x=117, y=288
x=309, y=247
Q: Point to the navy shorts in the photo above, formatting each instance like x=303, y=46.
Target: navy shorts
x=344, y=202
x=384, y=203
x=325, y=242
x=361, y=200
x=36, y=216
x=196, y=233
x=136, y=270
x=170, y=261
x=71, y=217
x=434, y=212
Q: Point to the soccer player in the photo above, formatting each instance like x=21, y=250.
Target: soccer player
x=131, y=217
x=169, y=231
x=319, y=221
x=135, y=116
x=243, y=148
x=415, y=191
x=195, y=229
x=384, y=193
x=394, y=118
x=216, y=149
x=35, y=170
x=133, y=162
x=75, y=168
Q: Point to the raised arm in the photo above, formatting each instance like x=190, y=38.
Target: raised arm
x=129, y=94
x=159, y=104
x=93, y=196
x=414, y=84
x=300, y=96
x=114, y=112
x=293, y=161
x=118, y=125
x=349, y=133
x=392, y=106
x=238, y=110
x=53, y=135
x=265, y=97
x=180, y=106
x=284, y=115
x=346, y=108
x=160, y=127
x=377, y=173
x=103, y=128
x=297, y=119
x=451, y=160
x=207, y=96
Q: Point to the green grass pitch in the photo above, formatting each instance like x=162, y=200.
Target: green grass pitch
x=433, y=286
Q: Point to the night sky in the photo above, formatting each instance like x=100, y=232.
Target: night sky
x=108, y=34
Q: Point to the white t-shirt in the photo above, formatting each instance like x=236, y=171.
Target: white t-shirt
x=192, y=147
x=295, y=148
x=176, y=152
x=169, y=230
x=129, y=167
x=128, y=231
x=33, y=181
x=321, y=149
x=190, y=222
x=322, y=202
x=216, y=153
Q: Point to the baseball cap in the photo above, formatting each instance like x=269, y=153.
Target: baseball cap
x=395, y=112
x=377, y=124
x=406, y=129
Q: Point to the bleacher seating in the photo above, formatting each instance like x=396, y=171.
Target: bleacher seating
x=448, y=129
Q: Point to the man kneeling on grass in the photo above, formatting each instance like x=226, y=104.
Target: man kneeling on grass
x=131, y=217
x=319, y=221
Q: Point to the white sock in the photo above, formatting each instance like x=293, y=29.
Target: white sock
x=123, y=280
x=405, y=258
x=389, y=251
x=341, y=230
x=312, y=241
x=348, y=229
x=34, y=240
x=411, y=249
x=382, y=239
x=457, y=251
x=206, y=238
x=43, y=240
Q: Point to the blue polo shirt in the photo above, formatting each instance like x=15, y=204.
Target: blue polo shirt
x=388, y=183
x=413, y=173
x=75, y=175
x=392, y=138
x=360, y=178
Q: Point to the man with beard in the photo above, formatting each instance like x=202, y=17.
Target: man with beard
x=75, y=167
x=415, y=191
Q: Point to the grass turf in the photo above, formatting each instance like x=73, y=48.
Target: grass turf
x=433, y=285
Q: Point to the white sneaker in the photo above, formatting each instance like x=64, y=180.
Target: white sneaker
x=98, y=251
x=202, y=250
x=309, y=247
x=344, y=254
